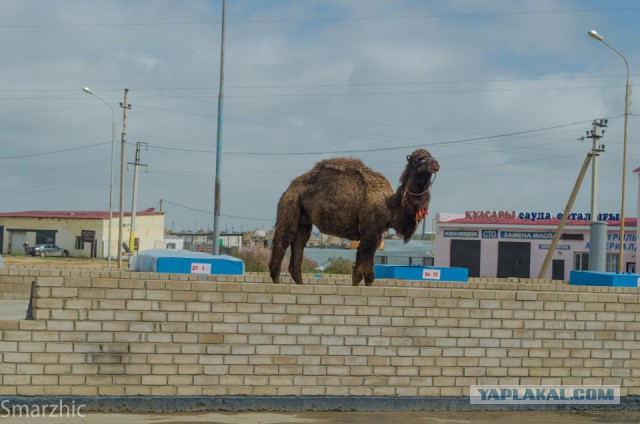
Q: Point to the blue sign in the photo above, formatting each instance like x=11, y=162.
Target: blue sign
x=526, y=235
x=461, y=233
x=490, y=234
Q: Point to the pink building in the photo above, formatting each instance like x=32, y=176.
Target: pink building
x=514, y=244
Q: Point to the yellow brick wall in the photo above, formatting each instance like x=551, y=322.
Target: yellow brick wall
x=120, y=333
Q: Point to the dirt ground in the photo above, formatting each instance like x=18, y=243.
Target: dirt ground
x=57, y=262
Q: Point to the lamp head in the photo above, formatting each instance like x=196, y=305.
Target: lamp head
x=86, y=90
x=594, y=34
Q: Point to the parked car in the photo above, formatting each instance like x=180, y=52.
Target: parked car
x=45, y=250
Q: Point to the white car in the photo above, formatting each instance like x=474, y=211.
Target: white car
x=45, y=250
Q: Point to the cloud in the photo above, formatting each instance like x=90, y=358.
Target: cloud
x=313, y=76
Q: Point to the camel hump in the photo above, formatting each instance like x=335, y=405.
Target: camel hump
x=342, y=164
x=345, y=166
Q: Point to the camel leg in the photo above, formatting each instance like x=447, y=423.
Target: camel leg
x=297, y=252
x=285, y=234
x=278, y=250
x=364, y=261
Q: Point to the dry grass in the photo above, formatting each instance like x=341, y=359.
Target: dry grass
x=257, y=260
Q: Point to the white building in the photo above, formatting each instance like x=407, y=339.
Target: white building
x=82, y=233
x=514, y=244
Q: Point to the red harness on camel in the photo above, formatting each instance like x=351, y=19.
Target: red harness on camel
x=422, y=212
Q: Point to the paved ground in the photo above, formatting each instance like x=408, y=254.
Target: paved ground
x=519, y=417
x=13, y=310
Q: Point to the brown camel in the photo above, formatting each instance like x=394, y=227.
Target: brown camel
x=345, y=198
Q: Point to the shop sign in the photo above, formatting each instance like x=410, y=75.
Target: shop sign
x=538, y=215
x=490, y=214
x=461, y=233
x=558, y=247
x=526, y=235
x=88, y=236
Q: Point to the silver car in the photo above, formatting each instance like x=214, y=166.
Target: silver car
x=45, y=250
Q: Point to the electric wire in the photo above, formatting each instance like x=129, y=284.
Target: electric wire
x=211, y=212
x=323, y=19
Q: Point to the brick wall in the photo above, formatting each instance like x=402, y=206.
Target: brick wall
x=120, y=333
x=15, y=288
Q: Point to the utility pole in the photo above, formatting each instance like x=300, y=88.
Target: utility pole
x=565, y=217
x=218, y=183
x=136, y=164
x=597, y=229
x=125, y=106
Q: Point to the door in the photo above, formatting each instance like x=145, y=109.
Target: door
x=1, y=238
x=18, y=239
x=557, y=269
x=514, y=258
x=466, y=254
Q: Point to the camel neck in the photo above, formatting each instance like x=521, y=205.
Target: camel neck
x=417, y=188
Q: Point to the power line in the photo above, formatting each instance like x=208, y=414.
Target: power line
x=324, y=19
x=211, y=212
x=379, y=149
x=52, y=152
x=325, y=85
x=465, y=140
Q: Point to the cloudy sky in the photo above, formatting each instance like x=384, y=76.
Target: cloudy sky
x=499, y=91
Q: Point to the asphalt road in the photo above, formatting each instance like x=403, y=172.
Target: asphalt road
x=502, y=417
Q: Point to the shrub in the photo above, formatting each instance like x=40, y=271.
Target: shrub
x=339, y=266
x=257, y=260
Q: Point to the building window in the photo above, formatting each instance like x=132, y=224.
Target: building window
x=581, y=261
x=45, y=237
x=612, y=262
x=79, y=243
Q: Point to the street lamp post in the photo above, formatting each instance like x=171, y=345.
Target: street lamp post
x=218, y=182
x=593, y=34
x=113, y=136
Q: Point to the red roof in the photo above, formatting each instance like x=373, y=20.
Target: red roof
x=628, y=222
x=74, y=214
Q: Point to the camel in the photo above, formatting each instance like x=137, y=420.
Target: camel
x=345, y=198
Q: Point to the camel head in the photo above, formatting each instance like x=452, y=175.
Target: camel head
x=420, y=167
x=413, y=196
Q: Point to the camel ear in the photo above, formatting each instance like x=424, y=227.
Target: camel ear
x=408, y=158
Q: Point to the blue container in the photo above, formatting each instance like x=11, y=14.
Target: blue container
x=186, y=262
x=426, y=273
x=606, y=279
